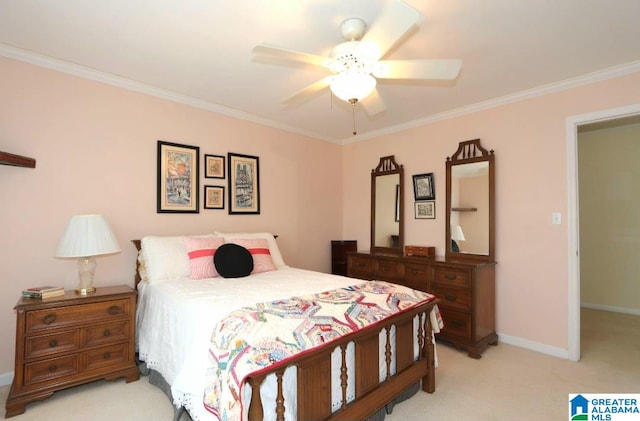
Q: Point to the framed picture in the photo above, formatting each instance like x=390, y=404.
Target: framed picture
x=244, y=184
x=425, y=210
x=178, y=178
x=213, y=197
x=214, y=166
x=423, y=188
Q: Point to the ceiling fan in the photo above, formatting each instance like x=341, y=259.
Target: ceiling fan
x=356, y=63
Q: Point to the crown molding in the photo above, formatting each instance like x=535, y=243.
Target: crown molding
x=96, y=75
x=129, y=84
x=606, y=74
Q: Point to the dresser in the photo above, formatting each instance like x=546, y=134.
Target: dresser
x=69, y=340
x=339, y=250
x=466, y=290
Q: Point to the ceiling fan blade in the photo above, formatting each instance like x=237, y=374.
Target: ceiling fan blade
x=373, y=103
x=418, y=69
x=396, y=20
x=272, y=51
x=309, y=91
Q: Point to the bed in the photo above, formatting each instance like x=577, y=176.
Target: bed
x=353, y=367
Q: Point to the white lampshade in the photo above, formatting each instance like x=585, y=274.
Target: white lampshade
x=456, y=233
x=352, y=86
x=87, y=236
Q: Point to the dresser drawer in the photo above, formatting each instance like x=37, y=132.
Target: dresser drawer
x=75, y=315
x=38, y=346
x=389, y=270
x=417, y=276
x=456, y=323
x=362, y=265
x=50, y=369
x=105, y=334
x=455, y=298
x=452, y=277
x=106, y=356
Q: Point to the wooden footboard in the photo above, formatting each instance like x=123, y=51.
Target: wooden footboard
x=314, y=372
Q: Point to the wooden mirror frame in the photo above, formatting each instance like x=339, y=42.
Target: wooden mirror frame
x=388, y=166
x=471, y=151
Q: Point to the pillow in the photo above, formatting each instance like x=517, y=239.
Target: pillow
x=233, y=261
x=200, y=252
x=166, y=258
x=273, y=245
x=259, y=249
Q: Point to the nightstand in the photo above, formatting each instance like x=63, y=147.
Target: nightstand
x=70, y=340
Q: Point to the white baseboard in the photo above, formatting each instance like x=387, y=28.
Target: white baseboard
x=6, y=379
x=533, y=346
x=611, y=308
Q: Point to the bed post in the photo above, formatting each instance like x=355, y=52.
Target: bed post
x=429, y=381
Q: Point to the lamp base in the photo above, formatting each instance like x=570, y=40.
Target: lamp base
x=85, y=291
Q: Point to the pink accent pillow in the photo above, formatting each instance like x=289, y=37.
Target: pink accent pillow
x=259, y=249
x=200, y=251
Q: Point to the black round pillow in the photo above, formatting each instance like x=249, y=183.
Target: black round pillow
x=233, y=261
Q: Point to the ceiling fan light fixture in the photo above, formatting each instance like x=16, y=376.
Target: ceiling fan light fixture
x=352, y=86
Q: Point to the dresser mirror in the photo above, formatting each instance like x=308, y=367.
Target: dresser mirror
x=387, y=207
x=470, y=202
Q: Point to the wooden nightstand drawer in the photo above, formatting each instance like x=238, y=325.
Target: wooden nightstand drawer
x=74, y=315
x=104, y=334
x=456, y=323
x=101, y=357
x=452, y=277
x=39, y=346
x=50, y=369
x=455, y=298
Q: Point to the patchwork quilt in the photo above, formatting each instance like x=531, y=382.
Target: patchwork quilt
x=268, y=334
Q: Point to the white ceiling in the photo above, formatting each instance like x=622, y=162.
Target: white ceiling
x=199, y=52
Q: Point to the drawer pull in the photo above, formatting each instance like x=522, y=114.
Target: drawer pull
x=450, y=276
x=107, y=355
x=53, y=343
x=49, y=318
x=450, y=297
x=53, y=368
x=113, y=310
x=106, y=333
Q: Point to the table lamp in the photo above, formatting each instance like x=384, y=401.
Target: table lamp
x=85, y=237
x=456, y=235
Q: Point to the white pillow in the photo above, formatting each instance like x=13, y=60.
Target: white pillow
x=276, y=256
x=166, y=257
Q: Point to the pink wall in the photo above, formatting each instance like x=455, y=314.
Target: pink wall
x=95, y=147
x=529, y=139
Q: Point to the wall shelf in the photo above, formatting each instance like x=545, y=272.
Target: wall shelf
x=16, y=160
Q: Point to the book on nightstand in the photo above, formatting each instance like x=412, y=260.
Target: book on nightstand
x=43, y=292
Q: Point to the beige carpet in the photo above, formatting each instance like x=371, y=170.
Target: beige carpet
x=508, y=383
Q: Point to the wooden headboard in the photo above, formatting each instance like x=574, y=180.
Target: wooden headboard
x=138, y=245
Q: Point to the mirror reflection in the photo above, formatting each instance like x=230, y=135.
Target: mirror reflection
x=387, y=207
x=387, y=223
x=469, y=219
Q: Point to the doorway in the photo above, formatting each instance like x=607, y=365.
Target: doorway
x=573, y=222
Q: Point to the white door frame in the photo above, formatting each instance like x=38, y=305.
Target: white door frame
x=573, y=223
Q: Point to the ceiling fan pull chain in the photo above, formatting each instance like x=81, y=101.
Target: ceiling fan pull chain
x=353, y=114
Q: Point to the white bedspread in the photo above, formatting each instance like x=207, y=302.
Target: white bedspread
x=188, y=309
x=185, y=312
